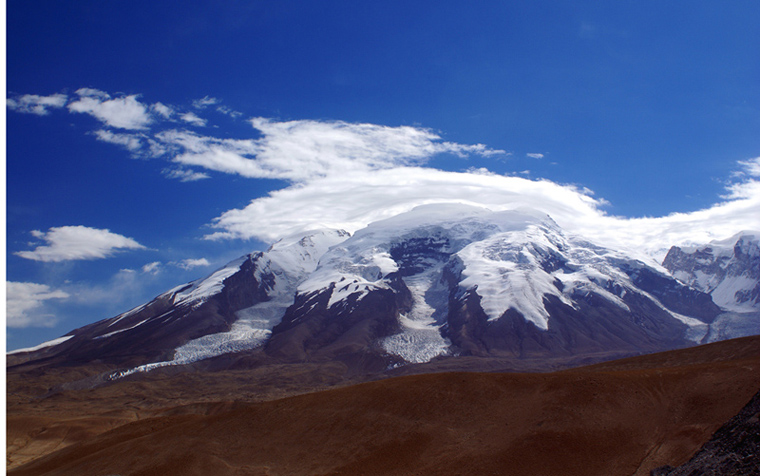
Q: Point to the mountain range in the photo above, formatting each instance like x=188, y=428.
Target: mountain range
x=441, y=283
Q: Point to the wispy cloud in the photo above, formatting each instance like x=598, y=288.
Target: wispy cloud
x=34, y=104
x=303, y=150
x=185, y=175
x=191, y=263
x=69, y=243
x=535, y=155
x=297, y=151
x=162, y=110
x=131, y=142
x=152, y=268
x=205, y=102
x=191, y=118
x=25, y=304
x=124, y=112
x=230, y=112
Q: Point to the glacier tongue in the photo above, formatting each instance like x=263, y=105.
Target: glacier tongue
x=420, y=339
x=285, y=264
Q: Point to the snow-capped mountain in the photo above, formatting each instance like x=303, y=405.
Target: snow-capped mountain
x=728, y=270
x=231, y=310
x=443, y=280
x=453, y=279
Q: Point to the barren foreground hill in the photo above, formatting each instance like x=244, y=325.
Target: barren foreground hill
x=624, y=417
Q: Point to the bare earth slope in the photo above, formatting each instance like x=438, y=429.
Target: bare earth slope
x=619, y=418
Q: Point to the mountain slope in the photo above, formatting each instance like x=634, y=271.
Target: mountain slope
x=459, y=280
x=442, y=281
x=231, y=310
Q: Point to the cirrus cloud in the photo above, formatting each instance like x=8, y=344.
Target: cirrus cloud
x=68, y=243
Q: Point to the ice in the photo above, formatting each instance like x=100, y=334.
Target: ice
x=288, y=262
x=253, y=327
x=731, y=325
x=420, y=339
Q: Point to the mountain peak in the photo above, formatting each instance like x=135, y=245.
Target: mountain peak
x=441, y=280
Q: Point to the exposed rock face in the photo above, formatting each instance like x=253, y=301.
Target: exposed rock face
x=728, y=270
x=734, y=450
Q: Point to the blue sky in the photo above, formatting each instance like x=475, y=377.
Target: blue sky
x=149, y=142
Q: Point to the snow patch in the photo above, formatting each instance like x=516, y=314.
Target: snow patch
x=213, y=284
x=50, y=343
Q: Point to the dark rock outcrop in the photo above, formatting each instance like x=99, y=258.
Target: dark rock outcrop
x=734, y=450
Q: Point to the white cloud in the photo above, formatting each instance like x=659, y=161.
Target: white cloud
x=68, y=243
x=193, y=119
x=352, y=200
x=190, y=263
x=162, y=109
x=748, y=168
x=228, y=111
x=132, y=142
x=34, y=104
x=205, y=102
x=346, y=175
x=25, y=304
x=303, y=150
x=124, y=112
x=184, y=175
x=152, y=268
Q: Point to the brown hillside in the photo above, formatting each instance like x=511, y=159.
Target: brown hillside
x=619, y=418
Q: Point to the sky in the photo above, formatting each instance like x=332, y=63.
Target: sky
x=148, y=143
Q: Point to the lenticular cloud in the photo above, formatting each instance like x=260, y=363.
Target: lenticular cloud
x=352, y=200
